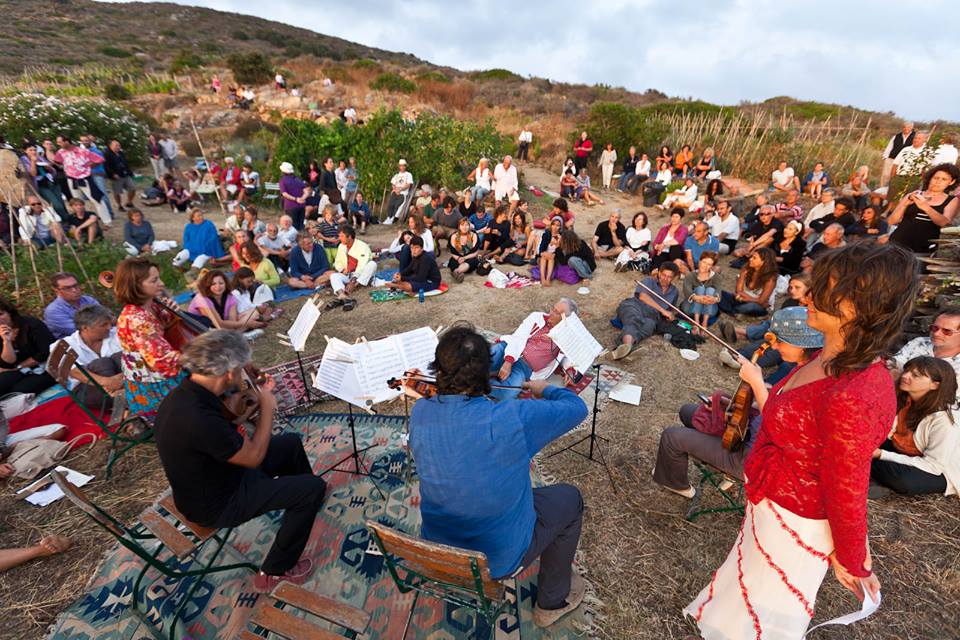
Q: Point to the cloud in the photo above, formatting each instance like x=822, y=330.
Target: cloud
x=881, y=56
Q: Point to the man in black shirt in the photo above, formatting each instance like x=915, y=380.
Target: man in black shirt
x=765, y=232
x=221, y=478
x=610, y=237
x=421, y=274
x=118, y=170
x=629, y=169
x=842, y=215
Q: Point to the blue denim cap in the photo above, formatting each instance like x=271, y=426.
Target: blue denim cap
x=790, y=326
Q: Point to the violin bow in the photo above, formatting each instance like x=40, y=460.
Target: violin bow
x=431, y=379
x=733, y=351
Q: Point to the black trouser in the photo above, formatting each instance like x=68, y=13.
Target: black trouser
x=673, y=253
x=580, y=162
x=559, y=510
x=285, y=481
x=13, y=381
x=902, y=478
x=394, y=203
x=522, y=151
x=297, y=213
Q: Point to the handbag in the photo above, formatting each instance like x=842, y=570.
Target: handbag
x=15, y=404
x=30, y=457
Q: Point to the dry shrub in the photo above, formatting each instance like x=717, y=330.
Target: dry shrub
x=456, y=95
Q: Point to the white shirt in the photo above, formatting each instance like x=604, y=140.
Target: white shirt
x=402, y=177
x=350, y=113
x=428, y=244
x=821, y=210
x=483, y=178
x=30, y=224
x=86, y=355
x=905, y=161
x=289, y=236
x=636, y=238
x=730, y=226
x=278, y=78
x=274, y=244
x=526, y=136
x=946, y=153
x=783, y=178
x=505, y=180
x=250, y=179
x=643, y=168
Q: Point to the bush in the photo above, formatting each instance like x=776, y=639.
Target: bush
x=114, y=52
x=393, y=82
x=116, y=92
x=185, y=59
x=433, y=76
x=39, y=116
x=250, y=68
x=366, y=63
x=239, y=34
x=623, y=126
x=502, y=75
x=441, y=150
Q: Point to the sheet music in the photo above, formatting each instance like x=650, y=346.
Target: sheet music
x=337, y=375
x=377, y=362
x=576, y=342
x=303, y=325
x=418, y=347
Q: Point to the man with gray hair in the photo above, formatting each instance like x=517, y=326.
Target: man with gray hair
x=98, y=352
x=221, y=478
x=505, y=182
x=529, y=353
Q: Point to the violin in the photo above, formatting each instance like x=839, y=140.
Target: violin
x=241, y=405
x=414, y=384
x=738, y=410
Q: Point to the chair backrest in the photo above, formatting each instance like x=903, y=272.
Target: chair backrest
x=439, y=562
x=271, y=186
x=79, y=498
x=60, y=363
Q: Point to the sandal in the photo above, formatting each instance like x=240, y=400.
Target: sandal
x=349, y=304
x=333, y=304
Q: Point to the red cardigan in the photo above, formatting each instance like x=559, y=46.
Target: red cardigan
x=812, y=455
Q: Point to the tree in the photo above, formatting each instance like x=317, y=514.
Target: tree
x=250, y=68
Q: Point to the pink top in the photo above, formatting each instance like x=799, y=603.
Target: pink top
x=679, y=234
x=812, y=455
x=77, y=162
x=200, y=301
x=540, y=349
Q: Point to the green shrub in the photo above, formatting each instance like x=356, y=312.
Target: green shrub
x=433, y=76
x=114, y=52
x=366, y=63
x=185, y=59
x=623, y=126
x=393, y=82
x=501, y=75
x=116, y=92
x=250, y=68
x=277, y=39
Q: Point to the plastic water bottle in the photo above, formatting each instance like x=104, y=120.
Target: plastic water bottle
x=420, y=296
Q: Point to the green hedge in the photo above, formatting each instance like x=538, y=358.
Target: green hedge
x=393, y=82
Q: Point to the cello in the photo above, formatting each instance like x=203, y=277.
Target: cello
x=737, y=421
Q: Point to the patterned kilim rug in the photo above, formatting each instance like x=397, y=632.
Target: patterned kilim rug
x=338, y=546
x=290, y=390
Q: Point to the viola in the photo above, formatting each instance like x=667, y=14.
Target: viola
x=241, y=405
x=415, y=385
x=738, y=411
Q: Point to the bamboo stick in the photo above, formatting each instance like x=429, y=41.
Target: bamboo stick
x=36, y=275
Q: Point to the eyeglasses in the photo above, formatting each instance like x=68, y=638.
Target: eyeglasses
x=946, y=332
x=69, y=287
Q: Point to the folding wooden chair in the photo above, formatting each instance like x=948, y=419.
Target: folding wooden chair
x=184, y=542
x=125, y=431
x=271, y=616
x=456, y=576
x=733, y=496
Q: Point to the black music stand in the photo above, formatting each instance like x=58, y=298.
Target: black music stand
x=592, y=437
x=360, y=467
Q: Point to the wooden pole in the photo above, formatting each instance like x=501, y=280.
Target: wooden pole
x=36, y=275
x=203, y=154
x=80, y=264
x=13, y=252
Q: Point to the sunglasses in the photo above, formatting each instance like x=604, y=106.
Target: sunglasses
x=947, y=332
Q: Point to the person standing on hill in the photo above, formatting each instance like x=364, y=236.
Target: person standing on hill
x=607, y=161
x=582, y=150
x=896, y=144
x=526, y=139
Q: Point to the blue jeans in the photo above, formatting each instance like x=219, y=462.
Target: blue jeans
x=580, y=265
x=755, y=332
x=519, y=374
x=730, y=306
x=479, y=193
x=623, y=180
x=709, y=310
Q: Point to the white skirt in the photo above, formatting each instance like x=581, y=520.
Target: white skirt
x=767, y=586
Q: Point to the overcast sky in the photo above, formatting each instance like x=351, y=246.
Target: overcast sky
x=880, y=55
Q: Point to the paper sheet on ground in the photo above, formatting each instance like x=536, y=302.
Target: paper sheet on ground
x=300, y=329
x=575, y=342
x=628, y=393
x=869, y=606
x=358, y=373
x=52, y=492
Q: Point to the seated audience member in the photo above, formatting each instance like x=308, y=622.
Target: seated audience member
x=638, y=244
x=420, y=274
x=584, y=191
x=643, y=314
x=831, y=238
x=240, y=238
x=701, y=292
x=921, y=214
x=446, y=220
x=706, y=164
x=39, y=224
x=274, y=247
x=464, y=251
x=547, y=255
x=178, y=197
x=48, y=546
x=497, y=238
x=754, y=294
x=683, y=162
x=529, y=353
x=922, y=454
x=568, y=185
x=790, y=249
x=251, y=222
x=516, y=251
x=138, y=236
x=684, y=197
x=783, y=178
x=221, y=478
x=668, y=244
x=481, y=221
x=24, y=348
x=821, y=210
x=253, y=296
x=481, y=175
x=725, y=227
x=857, y=190
x=354, y=266
x=641, y=173
x=400, y=185
x=328, y=232
x=491, y=507
x=842, y=214
x=610, y=237
x=59, y=314
x=214, y=301
x=249, y=183
x=701, y=437
x=870, y=225
x=560, y=208
x=430, y=209
x=287, y=232
x=229, y=180
x=359, y=213
x=82, y=223
x=765, y=232
x=695, y=245
x=263, y=269
x=790, y=208
x=98, y=351
x=400, y=246
x=201, y=242
x=309, y=267
x=943, y=342
x=629, y=169
x=467, y=207
x=754, y=215
x=713, y=191
x=816, y=181
x=664, y=159
x=574, y=256
x=154, y=195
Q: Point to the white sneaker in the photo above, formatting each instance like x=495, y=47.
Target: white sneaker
x=389, y=220
x=687, y=493
x=726, y=484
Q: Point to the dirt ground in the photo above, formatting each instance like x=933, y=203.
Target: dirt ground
x=645, y=560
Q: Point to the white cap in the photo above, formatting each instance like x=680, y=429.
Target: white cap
x=286, y=167
x=402, y=161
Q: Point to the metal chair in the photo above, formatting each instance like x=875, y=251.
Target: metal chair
x=185, y=542
x=453, y=575
x=712, y=477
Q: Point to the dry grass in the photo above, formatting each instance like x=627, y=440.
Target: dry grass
x=645, y=560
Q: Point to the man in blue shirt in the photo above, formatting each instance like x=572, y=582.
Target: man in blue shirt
x=644, y=314
x=696, y=244
x=309, y=267
x=473, y=458
x=58, y=316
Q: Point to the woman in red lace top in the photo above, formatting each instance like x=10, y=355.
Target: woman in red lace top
x=808, y=472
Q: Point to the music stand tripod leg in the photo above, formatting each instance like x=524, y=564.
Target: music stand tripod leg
x=359, y=466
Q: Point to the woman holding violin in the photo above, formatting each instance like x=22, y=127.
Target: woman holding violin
x=151, y=363
x=807, y=474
